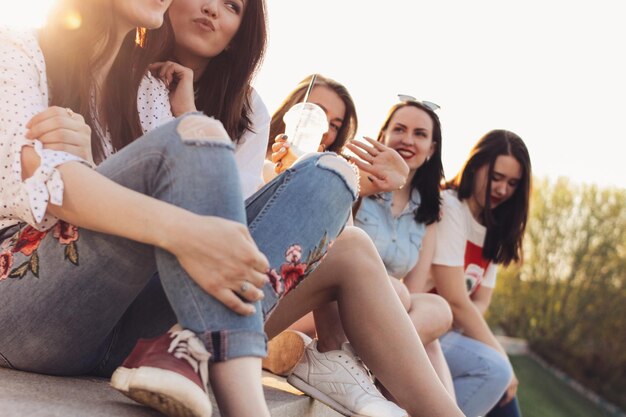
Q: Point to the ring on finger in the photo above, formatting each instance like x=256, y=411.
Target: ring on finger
x=244, y=286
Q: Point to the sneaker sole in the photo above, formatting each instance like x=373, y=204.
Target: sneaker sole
x=320, y=396
x=284, y=353
x=168, y=392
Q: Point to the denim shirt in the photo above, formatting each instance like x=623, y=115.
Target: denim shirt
x=398, y=239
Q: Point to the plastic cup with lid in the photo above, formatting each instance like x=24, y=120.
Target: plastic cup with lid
x=305, y=124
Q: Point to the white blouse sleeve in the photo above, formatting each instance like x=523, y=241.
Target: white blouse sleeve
x=153, y=103
x=451, y=233
x=250, y=153
x=24, y=94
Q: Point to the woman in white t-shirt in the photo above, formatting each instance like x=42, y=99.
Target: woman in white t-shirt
x=485, y=210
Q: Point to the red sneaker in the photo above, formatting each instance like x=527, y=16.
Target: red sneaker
x=169, y=373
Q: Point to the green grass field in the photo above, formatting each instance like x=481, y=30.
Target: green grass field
x=541, y=394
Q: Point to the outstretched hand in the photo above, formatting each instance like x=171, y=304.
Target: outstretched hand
x=179, y=80
x=381, y=165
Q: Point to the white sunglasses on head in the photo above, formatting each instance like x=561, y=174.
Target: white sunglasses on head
x=428, y=104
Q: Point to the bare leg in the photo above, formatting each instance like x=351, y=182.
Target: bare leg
x=430, y=314
x=229, y=379
x=305, y=325
x=330, y=333
x=387, y=341
x=435, y=354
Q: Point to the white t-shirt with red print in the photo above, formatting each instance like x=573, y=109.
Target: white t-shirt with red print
x=460, y=241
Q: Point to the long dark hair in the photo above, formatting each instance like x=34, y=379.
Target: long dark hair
x=350, y=122
x=70, y=61
x=224, y=89
x=506, y=223
x=428, y=177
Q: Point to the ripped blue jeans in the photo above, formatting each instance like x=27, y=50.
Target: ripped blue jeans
x=75, y=301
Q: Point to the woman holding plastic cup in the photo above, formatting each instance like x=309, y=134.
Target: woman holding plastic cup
x=381, y=168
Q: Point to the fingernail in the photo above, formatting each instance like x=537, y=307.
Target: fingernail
x=282, y=150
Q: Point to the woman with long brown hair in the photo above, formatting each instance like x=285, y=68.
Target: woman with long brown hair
x=80, y=247
x=485, y=210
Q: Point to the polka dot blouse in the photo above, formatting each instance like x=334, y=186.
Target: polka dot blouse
x=24, y=94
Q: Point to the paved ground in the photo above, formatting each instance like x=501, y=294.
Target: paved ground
x=31, y=395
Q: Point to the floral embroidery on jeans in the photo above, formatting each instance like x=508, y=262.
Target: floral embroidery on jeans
x=292, y=272
x=67, y=235
x=26, y=242
x=6, y=262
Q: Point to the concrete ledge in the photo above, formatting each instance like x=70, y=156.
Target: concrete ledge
x=26, y=394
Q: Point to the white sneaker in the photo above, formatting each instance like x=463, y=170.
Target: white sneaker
x=340, y=380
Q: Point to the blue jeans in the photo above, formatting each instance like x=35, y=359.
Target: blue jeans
x=480, y=373
x=76, y=301
x=510, y=409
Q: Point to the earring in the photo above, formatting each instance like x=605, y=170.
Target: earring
x=140, y=36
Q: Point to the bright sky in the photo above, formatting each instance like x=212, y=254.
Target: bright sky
x=552, y=71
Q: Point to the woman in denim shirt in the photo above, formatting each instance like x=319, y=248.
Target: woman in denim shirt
x=401, y=223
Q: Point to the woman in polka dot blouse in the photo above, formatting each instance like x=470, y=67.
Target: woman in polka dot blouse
x=80, y=245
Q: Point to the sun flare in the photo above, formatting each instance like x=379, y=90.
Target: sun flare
x=26, y=13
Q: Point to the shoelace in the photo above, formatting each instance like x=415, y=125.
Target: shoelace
x=349, y=351
x=186, y=345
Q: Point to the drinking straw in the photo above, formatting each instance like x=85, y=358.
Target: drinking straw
x=306, y=97
x=308, y=91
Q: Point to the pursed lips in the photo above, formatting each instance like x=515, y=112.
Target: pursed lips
x=205, y=24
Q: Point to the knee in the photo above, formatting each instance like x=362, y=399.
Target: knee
x=431, y=315
x=357, y=242
x=442, y=312
x=198, y=129
x=343, y=169
x=500, y=371
x=357, y=249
